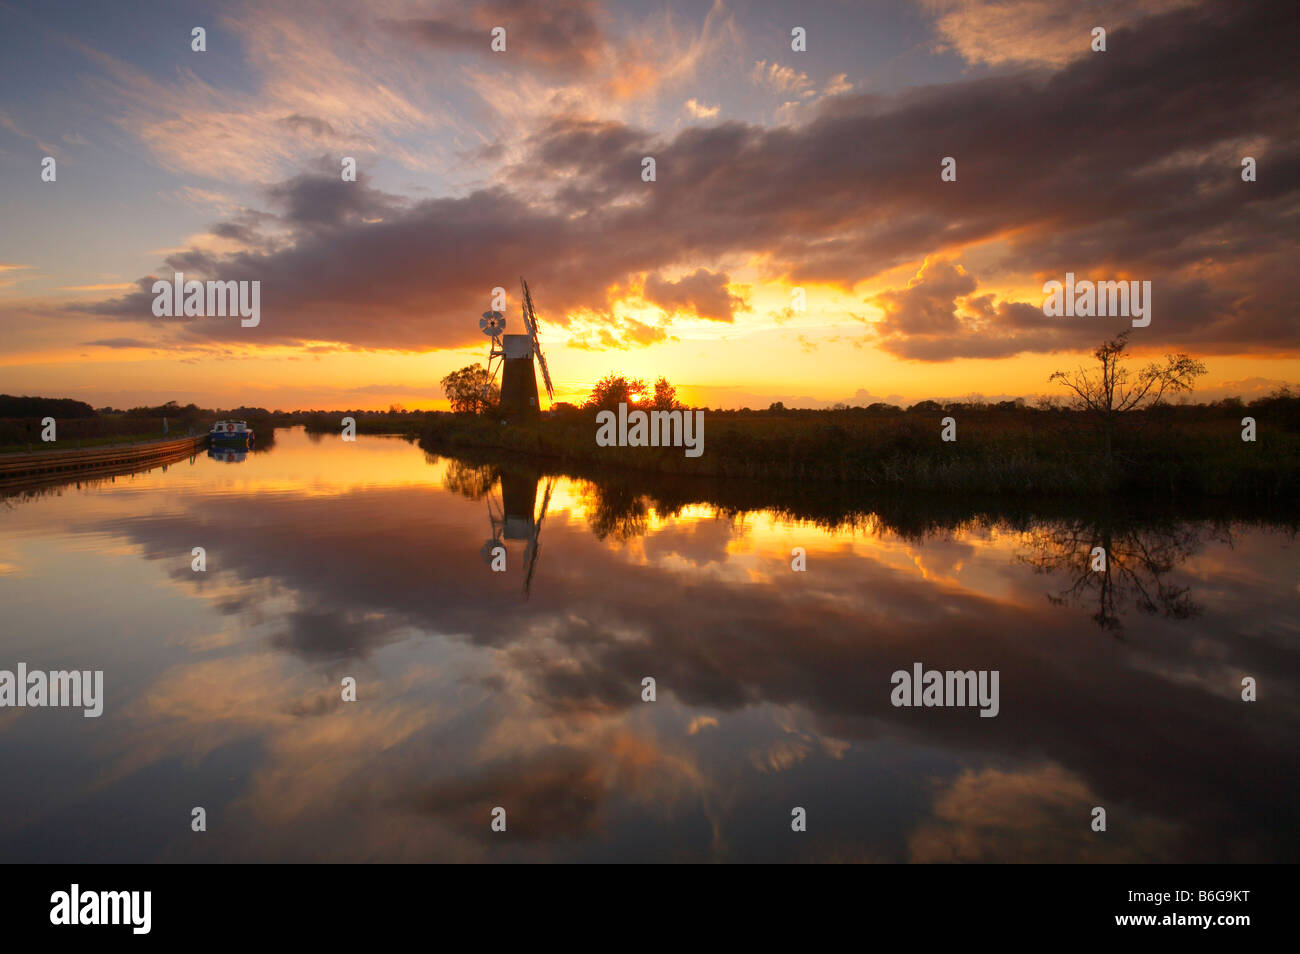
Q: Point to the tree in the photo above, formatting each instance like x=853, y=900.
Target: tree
x=1113, y=390
x=471, y=390
x=665, y=398
x=615, y=389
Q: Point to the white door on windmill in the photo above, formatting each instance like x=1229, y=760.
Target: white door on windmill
x=517, y=346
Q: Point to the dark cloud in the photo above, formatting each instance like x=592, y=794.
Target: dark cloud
x=926, y=306
x=312, y=124
x=121, y=343
x=938, y=314
x=1122, y=165
x=558, y=35
x=238, y=232
x=552, y=792
x=331, y=636
x=322, y=198
x=703, y=293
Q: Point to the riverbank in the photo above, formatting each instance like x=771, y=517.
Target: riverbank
x=25, y=466
x=408, y=423
x=1173, y=452
x=65, y=444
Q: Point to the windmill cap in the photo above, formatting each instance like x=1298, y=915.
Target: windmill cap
x=517, y=346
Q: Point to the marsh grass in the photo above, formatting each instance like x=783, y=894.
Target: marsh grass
x=1172, y=451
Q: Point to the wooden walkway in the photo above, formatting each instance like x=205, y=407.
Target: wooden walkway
x=22, y=467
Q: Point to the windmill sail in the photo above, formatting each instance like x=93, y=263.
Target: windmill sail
x=529, y=317
x=546, y=375
x=530, y=322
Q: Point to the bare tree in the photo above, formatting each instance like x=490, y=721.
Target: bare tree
x=1113, y=391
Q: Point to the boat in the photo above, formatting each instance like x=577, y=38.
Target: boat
x=230, y=432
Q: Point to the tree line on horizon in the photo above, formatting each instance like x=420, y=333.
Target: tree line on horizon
x=1106, y=392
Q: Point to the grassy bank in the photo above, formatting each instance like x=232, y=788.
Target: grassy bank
x=1172, y=451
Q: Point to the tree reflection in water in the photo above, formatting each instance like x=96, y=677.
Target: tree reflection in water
x=615, y=511
x=1141, y=553
x=472, y=481
x=1138, y=561
x=1142, y=550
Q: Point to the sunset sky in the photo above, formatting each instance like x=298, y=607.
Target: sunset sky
x=776, y=170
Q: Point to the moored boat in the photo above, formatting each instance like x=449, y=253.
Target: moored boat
x=230, y=432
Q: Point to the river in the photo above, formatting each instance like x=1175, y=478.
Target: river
x=772, y=636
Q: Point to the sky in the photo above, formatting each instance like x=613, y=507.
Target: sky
x=797, y=242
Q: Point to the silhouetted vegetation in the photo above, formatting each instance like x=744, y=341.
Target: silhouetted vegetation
x=392, y=421
x=78, y=424
x=471, y=390
x=56, y=408
x=615, y=389
x=1108, y=393
x=1162, y=450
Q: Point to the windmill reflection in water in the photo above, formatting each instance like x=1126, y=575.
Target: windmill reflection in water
x=514, y=516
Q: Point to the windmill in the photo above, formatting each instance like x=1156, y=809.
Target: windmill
x=515, y=354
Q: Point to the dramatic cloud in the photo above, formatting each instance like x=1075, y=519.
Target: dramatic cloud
x=938, y=313
x=703, y=293
x=1118, y=166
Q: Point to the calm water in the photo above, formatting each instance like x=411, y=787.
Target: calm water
x=522, y=689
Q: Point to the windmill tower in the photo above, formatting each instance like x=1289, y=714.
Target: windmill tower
x=515, y=355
